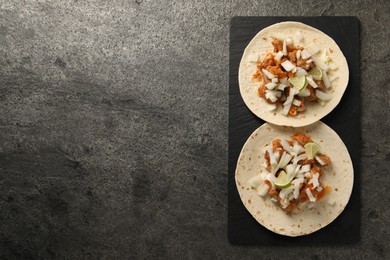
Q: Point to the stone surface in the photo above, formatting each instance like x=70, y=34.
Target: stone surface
x=113, y=122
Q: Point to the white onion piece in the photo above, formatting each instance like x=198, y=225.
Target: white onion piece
x=319, y=188
x=289, y=41
x=285, y=192
x=268, y=74
x=297, y=183
x=298, y=54
x=314, y=49
x=305, y=54
x=290, y=97
x=271, y=85
x=309, y=61
x=255, y=181
x=271, y=178
x=311, y=82
x=304, y=92
x=286, y=146
x=308, y=175
x=284, y=81
x=276, y=93
x=310, y=195
x=284, y=160
x=284, y=48
x=297, y=149
x=269, y=95
x=300, y=72
x=314, y=180
x=286, y=108
x=278, y=56
x=263, y=189
x=275, y=80
x=320, y=63
x=326, y=80
x=305, y=168
x=323, y=95
x=296, y=102
x=282, y=86
x=271, y=107
x=287, y=65
x=299, y=158
x=318, y=159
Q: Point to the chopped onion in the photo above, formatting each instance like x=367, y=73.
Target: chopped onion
x=255, y=181
x=296, y=102
x=319, y=189
x=305, y=168
x=276, y=93
x=298, y=54
x=310, y=195
x=278, y=56
x=321, y=102
x=282, y=86
x=320, y=63
x=308, y=174
x=268, y=74
x=318, y=159
x=325, y=79
x=274, y=200
x=284, y=48
x=284, y=80
x=309, y=61
x=275, y=80
x=300, y=72
x=285, y=192
x=299, y=158
x=304, y=92
x=297, y=183
x=323, y=95
x=254, y=58
x=313, y=48
x=299, y=36
x=269, y=95
x=286, y=146
x=284, y=160
x=294, y=70
x=297, y=149
x=290, y=170
x=287, y=65
x=263, y=189
x=271, y=178
x=305, y=54
x=314, y=180
x=271, y=107
x=290, y=97
x=271, y=157
x=311, y=82
x=289, y=41
x=271, y=85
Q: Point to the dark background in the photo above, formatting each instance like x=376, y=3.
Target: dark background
x=114, y=128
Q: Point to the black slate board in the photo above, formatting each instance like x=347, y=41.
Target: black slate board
x=344, y=119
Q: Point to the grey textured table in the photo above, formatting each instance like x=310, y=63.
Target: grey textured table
x=113, y=128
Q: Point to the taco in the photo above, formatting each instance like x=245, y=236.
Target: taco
x=294, y=181
x=292, y=74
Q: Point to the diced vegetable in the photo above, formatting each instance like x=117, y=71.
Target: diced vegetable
x=278, y=56
x=287, y=65
x=310, y=195
x=305, y=54
x=268, y=74
x=320, y=64
x=326, y=80
x=323, y=95
x=271, y=85
x=314, y=49
x=311, y=82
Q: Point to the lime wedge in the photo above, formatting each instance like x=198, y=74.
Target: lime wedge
x=316, y=73
x=311, y=149
x=299, y=82
x=282, y=181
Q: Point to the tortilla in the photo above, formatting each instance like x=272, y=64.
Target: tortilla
x=339, y=176
x=261, y=45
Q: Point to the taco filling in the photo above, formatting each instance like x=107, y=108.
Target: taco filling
x=292, y=75
x=293, y=171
